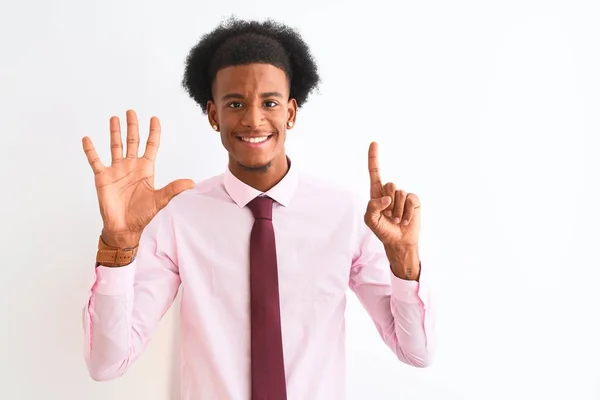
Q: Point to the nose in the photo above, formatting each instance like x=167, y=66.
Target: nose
x=253, y=117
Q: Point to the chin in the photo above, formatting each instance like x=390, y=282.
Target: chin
x=255, y=165
x=254, y=159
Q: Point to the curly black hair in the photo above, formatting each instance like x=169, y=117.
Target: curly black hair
x=238, y=42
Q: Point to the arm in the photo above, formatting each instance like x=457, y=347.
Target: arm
x=127, y=303
x=399, y=308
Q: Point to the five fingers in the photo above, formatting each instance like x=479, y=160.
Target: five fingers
x=116, y=143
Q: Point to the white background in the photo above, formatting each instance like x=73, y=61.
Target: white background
x=487, y=110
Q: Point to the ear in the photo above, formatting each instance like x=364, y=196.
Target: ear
x=292, y=110
x=211, y=111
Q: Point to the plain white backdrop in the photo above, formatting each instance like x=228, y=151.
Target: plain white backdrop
x=487, y=110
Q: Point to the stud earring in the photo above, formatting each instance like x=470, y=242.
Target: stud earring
x=290, y=124
x=215, y=127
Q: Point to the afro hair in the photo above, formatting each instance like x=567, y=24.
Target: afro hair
x=238, y=42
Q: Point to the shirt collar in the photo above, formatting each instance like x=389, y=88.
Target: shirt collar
x=282, y=193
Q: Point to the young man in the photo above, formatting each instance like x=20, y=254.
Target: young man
x=262, y=253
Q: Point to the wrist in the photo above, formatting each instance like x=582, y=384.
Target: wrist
x=110, y=256
x=120, y=240
x=404, y=261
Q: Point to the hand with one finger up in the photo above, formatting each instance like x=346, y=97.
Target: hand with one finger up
x=394, y=216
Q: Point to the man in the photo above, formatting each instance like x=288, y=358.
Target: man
x=262, y=253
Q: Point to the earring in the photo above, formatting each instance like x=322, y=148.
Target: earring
x=215, y=127
x=290, y=124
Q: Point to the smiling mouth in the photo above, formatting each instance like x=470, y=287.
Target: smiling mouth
x=254, y=139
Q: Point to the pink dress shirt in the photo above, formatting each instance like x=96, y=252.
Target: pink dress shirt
x=199, y=244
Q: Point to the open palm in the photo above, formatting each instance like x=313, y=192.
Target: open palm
x=126, y=195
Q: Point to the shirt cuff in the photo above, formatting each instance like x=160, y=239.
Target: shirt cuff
x=405, y=291
x=114, y=281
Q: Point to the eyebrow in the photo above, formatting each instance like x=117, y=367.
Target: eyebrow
x=238, y=96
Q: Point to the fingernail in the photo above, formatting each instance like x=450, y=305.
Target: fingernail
x=405, y=222
x=396, y=220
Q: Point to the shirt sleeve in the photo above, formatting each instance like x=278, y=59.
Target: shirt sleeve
x=126, y=304
x=400, y=309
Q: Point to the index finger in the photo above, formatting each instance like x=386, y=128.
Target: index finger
x=153, y=139
x=376, y=185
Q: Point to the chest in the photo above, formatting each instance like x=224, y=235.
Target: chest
x=314, y=254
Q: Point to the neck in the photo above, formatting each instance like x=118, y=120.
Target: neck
x=264, y=178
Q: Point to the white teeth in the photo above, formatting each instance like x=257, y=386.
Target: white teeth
x=254, y=139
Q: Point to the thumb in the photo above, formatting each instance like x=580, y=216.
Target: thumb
x=376, y=206
x=167, y=193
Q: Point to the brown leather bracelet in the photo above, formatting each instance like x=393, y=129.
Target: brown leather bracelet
x=108, y=256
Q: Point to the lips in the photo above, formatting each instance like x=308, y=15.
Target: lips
x=254, y=139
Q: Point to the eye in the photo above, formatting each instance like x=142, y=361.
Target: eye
x=235, y=104
x=271, y=103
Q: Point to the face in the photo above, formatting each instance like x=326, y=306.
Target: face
x=251, y=110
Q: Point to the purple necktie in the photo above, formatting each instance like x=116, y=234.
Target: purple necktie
x=267, y=368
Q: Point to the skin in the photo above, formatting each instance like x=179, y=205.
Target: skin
x=249, y=101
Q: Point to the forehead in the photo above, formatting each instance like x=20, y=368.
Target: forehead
x=251, y=78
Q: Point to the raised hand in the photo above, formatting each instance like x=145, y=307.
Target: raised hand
x=126, y=194
x=392, y=214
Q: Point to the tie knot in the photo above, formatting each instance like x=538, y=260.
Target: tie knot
x=262, y=207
